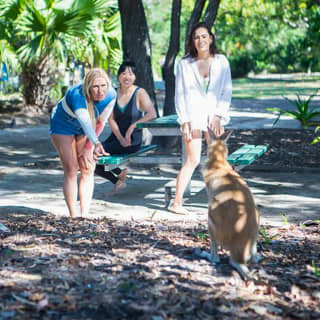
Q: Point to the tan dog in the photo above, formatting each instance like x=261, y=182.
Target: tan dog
x=233, y=219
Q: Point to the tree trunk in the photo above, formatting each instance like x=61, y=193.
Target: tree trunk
x=195, y=17
x=211, y=12
x=170, y=143
x=168, y=67
x=37, y=81
x=136, y=43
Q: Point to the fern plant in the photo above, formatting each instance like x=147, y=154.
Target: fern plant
x=303, y=112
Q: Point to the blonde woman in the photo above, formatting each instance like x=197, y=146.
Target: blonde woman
x=75, y=125
x=202, y=98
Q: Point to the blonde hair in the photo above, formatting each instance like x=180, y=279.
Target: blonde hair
x=87, y=84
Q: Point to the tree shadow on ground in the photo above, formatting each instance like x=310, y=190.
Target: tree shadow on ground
x=9, y=210
x=105, y=269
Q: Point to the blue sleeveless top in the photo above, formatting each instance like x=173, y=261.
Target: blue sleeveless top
x=62, y=123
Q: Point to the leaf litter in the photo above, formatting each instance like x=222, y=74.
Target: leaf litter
x=57, y=268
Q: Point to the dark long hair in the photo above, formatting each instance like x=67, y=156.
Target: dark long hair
x=191, y=49
x=127, y=64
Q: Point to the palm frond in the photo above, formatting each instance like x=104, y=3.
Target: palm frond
x=49, y=3
x=59, y=51
x=30, y=51
x=114, y=60
x=112, y=26
x=11, y=9
x=114, y=43
x=32, y=21
x=90, y=7
x=3, y=33
x=113, y=4
x=8, y=55
x=71, y=23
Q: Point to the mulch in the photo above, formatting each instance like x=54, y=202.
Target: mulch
x=101, y=269
x=287, y=148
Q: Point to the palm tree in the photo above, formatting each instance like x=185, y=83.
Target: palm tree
x=44, y=33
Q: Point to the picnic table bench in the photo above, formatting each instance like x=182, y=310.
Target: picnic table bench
x=113, y=161
x=163, y=126
x=246, y=155
x=169, y=126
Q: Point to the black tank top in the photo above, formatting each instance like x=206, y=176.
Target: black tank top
x=125, y=116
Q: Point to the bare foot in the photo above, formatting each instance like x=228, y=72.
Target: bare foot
x=118, y=186
x=123, y=174
x=178, y=209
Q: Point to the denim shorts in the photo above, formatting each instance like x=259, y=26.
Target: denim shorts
x=62, y=123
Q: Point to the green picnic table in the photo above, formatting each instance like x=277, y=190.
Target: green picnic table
x=169, y=126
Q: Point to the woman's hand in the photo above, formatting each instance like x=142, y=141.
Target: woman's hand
x=98, y=151
x=124, y=142
x=86, y=156
x=216, y=127
x=186, y=131
x=129, y=133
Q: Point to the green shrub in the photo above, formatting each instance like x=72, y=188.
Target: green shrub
x=303, y=113
x=317, y=139
x=240, y=66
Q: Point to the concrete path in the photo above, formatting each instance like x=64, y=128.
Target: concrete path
x=31, y=181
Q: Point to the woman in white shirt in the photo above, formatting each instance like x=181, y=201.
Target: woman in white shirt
x=202, y=98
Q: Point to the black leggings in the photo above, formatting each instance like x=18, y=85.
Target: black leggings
x=111, y=175
x=113, y=147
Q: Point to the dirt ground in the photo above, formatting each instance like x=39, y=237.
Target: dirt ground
x=133, y=260
x=107, y=269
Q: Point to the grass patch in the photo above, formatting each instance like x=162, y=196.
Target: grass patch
x=247, y=88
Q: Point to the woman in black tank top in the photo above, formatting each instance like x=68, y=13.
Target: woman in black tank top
x=133, y=106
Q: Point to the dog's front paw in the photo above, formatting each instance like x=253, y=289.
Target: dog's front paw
x=256, y=258
x=215, y=259
x=204, y=255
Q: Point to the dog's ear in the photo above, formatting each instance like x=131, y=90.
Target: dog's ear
x=212, y=135
x=226, y=135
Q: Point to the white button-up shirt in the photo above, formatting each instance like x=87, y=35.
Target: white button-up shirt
x=192, y=102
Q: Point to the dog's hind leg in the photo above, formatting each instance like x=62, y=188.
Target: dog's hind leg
x=213, y=250
x=213, y=242
x=242, y=269
x=255, y=257
x=239, y=256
